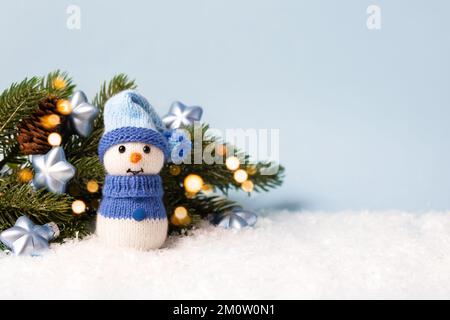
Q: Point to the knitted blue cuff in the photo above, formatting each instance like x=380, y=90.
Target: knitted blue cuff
x=133, y=197
x=132, y=134
x=133, y=186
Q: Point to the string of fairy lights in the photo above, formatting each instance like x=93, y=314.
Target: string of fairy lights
x=193, y=183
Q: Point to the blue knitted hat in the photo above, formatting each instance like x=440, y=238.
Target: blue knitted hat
x=128, y=117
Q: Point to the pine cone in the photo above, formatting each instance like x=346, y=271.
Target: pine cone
x=33, y=133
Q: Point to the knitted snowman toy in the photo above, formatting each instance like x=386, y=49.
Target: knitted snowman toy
x=132, y=149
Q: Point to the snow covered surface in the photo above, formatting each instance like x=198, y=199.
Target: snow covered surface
x=286, y=256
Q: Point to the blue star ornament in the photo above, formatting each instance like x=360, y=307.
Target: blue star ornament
x=236, y=218
x=83, y=114
x=181, y=115
x=52, y=170
x=26, y=238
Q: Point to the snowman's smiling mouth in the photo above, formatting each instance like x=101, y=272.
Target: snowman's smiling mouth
x=135, y=172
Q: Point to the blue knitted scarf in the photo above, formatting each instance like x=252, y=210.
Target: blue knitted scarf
x=133, y=197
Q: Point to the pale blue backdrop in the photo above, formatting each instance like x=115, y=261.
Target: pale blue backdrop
x=364, y=115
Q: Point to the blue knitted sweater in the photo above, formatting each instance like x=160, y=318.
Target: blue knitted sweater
x=133, y=197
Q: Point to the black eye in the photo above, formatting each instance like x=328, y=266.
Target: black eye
x=146, y=149
x=122, y=149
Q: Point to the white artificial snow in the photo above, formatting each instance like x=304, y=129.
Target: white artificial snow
x=286, y=256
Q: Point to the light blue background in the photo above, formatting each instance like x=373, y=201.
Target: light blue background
x=364, y=115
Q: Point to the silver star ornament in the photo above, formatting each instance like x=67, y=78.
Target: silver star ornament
x=83, y=114
x=52, y=170
x=26, y=238
x=180, y=115
x=236, y=218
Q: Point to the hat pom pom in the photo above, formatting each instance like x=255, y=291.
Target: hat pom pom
x=180, y=145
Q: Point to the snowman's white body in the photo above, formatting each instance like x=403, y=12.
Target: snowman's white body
x=143, y=235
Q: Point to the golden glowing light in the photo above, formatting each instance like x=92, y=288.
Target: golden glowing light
x=251, y=170
x=221, y=150
x=247, y=186
x=92, y=186
x=78, y=207
x=64, y=107
x=25, y=175
x=240, y=175
x=50, y=121
x=193, y=183
x=180, y=212
x=54, y=139
x=174, y=170
x=59, y=83
x=232, y=163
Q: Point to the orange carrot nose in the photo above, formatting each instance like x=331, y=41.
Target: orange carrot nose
x=135, y=157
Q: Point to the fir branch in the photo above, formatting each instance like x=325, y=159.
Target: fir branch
x=118, y=83
x=218, y=176
x=22, y=96
x=77, y=146
x=22, y=200
x=10, y=154
x=200, y=207
x=88, y=168
x=214, y=204
x=41, y=206
x=17, y=103
x=47, y=84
